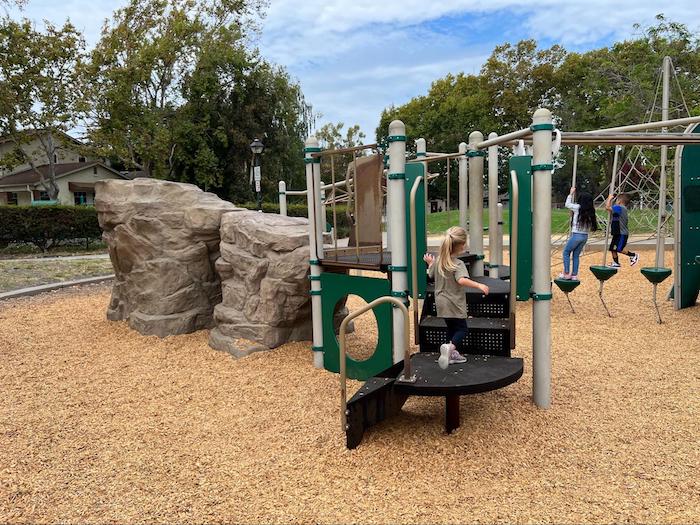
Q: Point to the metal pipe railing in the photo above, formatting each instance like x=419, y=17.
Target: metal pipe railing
x=650, y=125
x=340, y=151
x=414, y=255
x=513, y=248
x=406, y=376
x=504, y=139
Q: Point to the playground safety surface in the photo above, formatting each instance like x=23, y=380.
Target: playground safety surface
x=99, y=424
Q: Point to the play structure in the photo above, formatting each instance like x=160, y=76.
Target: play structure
x=396, y=197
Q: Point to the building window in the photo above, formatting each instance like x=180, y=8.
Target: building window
x=55, y=158
x=44, y=196
x=94, y=170
x=12, y=198
x=81, y=159
x=79, y=197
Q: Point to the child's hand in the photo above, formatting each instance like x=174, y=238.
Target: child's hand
x=429, y=258
x=572, y=190
x=484, y=289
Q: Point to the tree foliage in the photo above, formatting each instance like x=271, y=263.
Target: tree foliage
x=42, y=90
x=604, y=87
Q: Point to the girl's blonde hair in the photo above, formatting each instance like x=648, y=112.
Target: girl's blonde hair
x=454, y=236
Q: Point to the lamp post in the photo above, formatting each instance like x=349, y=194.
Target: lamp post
x=257, y=148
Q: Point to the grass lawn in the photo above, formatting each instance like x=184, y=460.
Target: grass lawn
x=16, y=275
x=641, y=221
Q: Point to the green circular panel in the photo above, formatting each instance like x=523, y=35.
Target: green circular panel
x=603, y=273
x=335, y=286
x=656, y=275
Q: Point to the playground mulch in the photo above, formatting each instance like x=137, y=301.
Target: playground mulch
x=101, y=425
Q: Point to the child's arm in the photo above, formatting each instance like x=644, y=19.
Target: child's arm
x=429, y=259
x=465, y=281
x=570, y=201
x=608, y=202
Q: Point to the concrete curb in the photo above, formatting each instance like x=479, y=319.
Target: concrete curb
x=35, y=290
x=60, y=258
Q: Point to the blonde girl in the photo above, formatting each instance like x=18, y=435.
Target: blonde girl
x=450, y=300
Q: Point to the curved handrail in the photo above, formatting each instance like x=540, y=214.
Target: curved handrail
x=406, y=376
x=515, y=210
x=414, y=255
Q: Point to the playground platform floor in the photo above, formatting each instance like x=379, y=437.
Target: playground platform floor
x=99, y=424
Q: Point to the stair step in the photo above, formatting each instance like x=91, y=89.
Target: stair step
x=487, y=336
x=494, y=305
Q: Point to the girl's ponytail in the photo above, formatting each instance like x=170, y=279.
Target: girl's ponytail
x=453, y=237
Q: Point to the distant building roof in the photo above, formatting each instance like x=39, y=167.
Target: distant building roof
x=31, y=177
x=7, y=138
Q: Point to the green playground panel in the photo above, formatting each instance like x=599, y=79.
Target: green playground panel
x=690, y=224
x=334, y=287
x=521, y=165
x=413, y=171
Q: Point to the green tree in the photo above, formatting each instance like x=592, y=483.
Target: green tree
x=233, y=96
x=41, y=91
x=139, y=68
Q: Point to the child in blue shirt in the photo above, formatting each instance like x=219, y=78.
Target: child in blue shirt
x=619, y=229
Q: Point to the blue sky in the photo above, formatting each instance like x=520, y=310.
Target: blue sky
x=355, y=57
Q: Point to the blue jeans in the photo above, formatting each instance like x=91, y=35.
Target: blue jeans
x=574, y=246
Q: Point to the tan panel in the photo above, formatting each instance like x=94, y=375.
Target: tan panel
x=369, y=201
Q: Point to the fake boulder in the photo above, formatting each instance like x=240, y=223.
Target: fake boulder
x=163, y=240
x=263, y=269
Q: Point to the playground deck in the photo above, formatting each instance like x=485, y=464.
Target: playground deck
x=100, y=424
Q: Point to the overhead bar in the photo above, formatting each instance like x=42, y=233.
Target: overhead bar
x=650, y=125
x=503, y=139
x=327, y=152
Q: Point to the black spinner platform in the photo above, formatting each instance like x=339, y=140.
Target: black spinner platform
x=383, y=395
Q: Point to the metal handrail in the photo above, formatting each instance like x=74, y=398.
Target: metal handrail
x=414, y=254
x=406, y=376
x=515, y=210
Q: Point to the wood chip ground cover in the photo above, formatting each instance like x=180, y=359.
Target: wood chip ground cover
x=101, y=425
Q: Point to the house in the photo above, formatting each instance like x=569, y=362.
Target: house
x=75, y=172
x=75, y=181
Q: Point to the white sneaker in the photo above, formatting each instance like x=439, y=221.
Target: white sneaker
x=456, y=357
x=444, y=359
x=614, y=264
x=634, y=259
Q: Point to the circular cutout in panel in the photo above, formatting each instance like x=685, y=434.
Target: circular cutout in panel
x=362, y=341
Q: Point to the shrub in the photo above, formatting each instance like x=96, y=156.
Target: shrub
x=47, y=226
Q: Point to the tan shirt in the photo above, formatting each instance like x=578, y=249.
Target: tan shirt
x=450, y=298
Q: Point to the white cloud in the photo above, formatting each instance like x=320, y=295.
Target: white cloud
x=355, y=57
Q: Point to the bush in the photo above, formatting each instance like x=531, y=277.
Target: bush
x=47, y=226
x=300, y=210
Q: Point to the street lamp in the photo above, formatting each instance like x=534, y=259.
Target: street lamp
x=257, y=148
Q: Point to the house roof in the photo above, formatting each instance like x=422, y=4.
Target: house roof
x=30, y=132
x=31, y=177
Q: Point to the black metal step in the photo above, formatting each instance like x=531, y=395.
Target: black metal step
x=486, y=336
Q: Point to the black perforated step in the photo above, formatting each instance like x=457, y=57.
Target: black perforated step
x=495, y=305
x=485, y=337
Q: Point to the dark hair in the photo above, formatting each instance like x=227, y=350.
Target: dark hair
x=624, y=198
x=586, y=214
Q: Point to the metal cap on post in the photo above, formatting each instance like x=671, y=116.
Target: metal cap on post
x=463, y=190
x=476, y=202
x=541, y=257
x=311, y=146
x=396, y=198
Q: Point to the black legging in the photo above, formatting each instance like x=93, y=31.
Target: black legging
x=456, y=330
